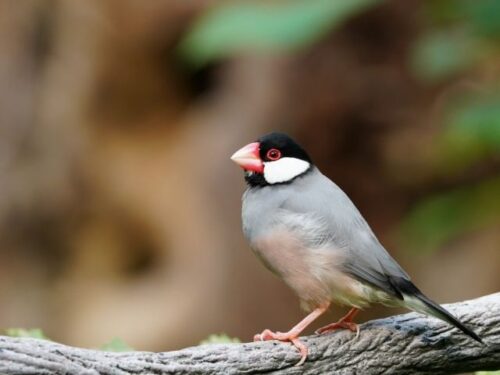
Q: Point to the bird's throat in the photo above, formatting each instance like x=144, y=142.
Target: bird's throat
x=254, y=179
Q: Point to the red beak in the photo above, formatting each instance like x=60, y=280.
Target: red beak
x=248, y=158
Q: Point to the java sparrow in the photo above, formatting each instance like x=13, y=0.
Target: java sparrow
x=308, y=232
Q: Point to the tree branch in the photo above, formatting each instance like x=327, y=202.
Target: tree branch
x=403, y=344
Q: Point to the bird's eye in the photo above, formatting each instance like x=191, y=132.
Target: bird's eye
x=273, y=154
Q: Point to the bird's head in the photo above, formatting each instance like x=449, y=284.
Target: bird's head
x=274, y=159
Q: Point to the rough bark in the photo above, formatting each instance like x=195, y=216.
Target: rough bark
x=403, y=344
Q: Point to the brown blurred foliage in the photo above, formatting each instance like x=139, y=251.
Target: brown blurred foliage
x=119, y=207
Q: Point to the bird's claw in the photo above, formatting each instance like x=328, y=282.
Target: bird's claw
x=338, y=325
x=357, y=331
x=267, y=335
x=302, y=350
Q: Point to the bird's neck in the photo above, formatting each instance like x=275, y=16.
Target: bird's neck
x=258, y=180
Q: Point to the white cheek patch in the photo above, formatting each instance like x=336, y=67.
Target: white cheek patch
x=284, y=169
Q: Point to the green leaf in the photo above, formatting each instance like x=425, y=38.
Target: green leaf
x=241, y=26
x=479, y=120
x=483, y=15
x=487, y=372
x=439, y=55
x=438, y=219
x=480, y=16
x=35, y=333
x=472, y=131
x=219, y=339
x=117, y=345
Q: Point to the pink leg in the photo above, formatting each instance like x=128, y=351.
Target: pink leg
x=345, y=322
x=293, y=334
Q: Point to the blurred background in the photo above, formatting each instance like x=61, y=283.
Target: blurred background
x=120, y=208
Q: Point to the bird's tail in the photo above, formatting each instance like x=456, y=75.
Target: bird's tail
x=416, y=300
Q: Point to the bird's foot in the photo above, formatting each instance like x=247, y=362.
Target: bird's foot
x=344, y=322
x=293, y=335
x=338, y=325
x=285, y=337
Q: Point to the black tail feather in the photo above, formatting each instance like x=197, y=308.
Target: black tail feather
x=406, y=287
x=446, y=316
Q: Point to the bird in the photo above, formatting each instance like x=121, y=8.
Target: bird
x=307, y=231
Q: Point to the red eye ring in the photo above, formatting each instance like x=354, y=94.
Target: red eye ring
x=273, y=154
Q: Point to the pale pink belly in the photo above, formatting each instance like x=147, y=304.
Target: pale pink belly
x=314, y=274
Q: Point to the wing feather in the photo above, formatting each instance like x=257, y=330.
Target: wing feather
x=365, y=258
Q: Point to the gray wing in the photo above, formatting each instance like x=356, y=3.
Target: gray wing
x=366, y=259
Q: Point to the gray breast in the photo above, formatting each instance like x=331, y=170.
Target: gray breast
x=285, y=241
x=262, y=207
x=311, y=235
